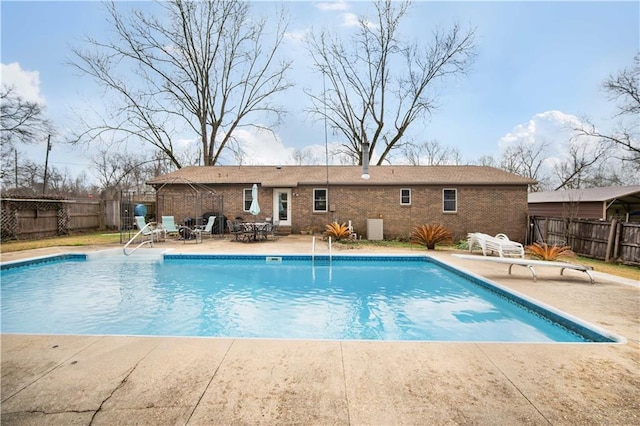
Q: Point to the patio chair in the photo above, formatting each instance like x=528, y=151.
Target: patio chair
x=169, y=225
x=271, y=229
x=148, y=230
x=266, y=230
x=235, y=228
x=208, y=228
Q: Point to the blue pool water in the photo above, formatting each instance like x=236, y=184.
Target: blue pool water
x=363, y=298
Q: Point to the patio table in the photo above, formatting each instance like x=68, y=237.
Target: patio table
x=253, y=229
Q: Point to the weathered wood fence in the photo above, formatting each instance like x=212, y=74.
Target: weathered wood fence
x=37, y=218
x=605, y=240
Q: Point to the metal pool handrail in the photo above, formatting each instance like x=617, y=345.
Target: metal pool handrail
x=313, y=250
x=150, y=241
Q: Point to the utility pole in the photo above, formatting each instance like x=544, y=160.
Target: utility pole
x=15, y=152
x=46, y=166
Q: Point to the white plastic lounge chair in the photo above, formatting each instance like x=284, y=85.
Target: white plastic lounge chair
x=169, y=225
x=149, y=230
x=500, y=244
x=530, y=263
x=208, y=228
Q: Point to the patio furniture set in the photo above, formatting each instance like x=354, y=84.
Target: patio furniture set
x=241, y=231
x=252, y=231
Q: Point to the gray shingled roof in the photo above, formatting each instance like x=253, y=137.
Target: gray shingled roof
x=584, y=195
x=291, y=176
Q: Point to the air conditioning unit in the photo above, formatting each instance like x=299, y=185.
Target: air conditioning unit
x=374, y=229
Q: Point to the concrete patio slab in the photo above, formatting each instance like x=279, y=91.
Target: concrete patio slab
x=430, y=383
x=281, y=382
x=80, y=383
x=574, y=383
x=167, y=384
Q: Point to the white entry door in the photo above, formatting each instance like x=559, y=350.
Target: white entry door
x=282, y=206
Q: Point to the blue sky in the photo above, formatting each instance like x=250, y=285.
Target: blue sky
x=539, y=66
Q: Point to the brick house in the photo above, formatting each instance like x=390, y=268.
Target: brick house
x=463, y=198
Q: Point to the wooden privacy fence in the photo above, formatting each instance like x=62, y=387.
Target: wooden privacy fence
x=38, y=218
x=605, y=240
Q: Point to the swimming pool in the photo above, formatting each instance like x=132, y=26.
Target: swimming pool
x=346, y=298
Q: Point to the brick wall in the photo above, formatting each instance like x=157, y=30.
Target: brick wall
x=488, y=209
x=479, y=209
x=185, y=201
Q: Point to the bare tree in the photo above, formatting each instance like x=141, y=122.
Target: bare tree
x=20, y=120
x=305, y=156
x=583, y=164
x=526, y=160
x=625, y=88
x=431, y=153
x=118, y=171
x=209, y=66
x=486, y=160
x=30, y=178
x=379, y=84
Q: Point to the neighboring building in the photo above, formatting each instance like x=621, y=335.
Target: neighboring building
x=463, y=198
x=619, y=202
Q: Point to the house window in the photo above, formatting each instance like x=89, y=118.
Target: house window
x=405, y=197
x=319, y=200
x=246, y=199
x=449, y=200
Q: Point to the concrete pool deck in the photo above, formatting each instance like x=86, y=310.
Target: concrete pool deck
x=82, y=380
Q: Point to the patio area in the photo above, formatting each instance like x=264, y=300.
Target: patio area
x=82, y=380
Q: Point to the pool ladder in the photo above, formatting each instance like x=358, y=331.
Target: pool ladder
x=145, y=241
x=313, y=250
x=313, y=259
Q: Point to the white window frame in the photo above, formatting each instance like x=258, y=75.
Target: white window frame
x=408, y=203
x=326, y=200
x=455, y=200
x=246, y=196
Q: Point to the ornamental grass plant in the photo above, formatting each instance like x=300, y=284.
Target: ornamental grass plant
x=337, y=231
x=549, y=252
x=431, y=234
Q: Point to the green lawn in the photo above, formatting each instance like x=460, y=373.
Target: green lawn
x=70, y=240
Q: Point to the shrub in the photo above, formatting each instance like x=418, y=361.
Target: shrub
x=430, y=235
x=337, y=231
x=462, y=245
x=546, y=252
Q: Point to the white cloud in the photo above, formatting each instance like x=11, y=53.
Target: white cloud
x=26, y=83
x=333, y=5
x=296, y=36
x=262, y=147
x=352, y=20
x=553, y=129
